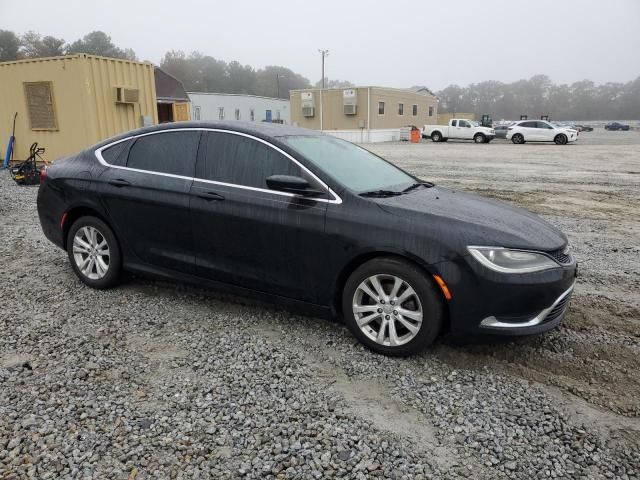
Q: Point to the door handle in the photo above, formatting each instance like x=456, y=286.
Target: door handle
x=119, y=182
x=210, y=195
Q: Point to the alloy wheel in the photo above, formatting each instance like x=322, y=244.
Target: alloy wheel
x=387, y=310
x=91, y=253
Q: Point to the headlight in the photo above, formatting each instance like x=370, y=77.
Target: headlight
x=511, y=261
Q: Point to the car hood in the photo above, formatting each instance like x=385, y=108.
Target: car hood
x=474, y=220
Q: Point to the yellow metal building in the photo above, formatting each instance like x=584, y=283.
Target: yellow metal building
x=68, y=103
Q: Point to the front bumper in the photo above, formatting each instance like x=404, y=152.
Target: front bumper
x=547, y=319
x=488, y=302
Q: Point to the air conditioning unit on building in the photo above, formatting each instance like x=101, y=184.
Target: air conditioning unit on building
x=350, y=109
x=308, y=104
x=127, y=95
x=350, y=101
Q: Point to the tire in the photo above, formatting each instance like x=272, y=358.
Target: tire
x=560, y=139
x=436, y=137
x=424, y=301
x=518, y=139
x=91, y=240
x=479, y=138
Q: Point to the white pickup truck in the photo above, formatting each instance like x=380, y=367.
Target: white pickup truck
x=459, y=129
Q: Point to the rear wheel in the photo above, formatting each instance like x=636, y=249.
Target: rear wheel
x=517, y=139
x=436, y=137
x=560, y=139
x=391, y=307
x=479, y=138
x=94, y=252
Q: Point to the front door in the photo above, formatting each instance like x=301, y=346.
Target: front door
x=146, y=194
x=246, y=234
x=464, y=130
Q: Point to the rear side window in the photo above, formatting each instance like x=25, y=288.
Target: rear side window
x=240, y=160
x=117, y=154
x=167, y=152
x=454, y=123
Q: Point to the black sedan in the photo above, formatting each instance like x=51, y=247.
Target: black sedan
x=311, y=221
x=614, y=126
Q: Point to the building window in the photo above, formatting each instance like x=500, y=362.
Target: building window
x=220, y=113
x=252, y=115
x=380, y=108
x=414, y=111
x=267, y=116
x=401, y=109
x=277, y=114
x=431, y=111
x=42, y=115
x=237, y=114
x=196, y=113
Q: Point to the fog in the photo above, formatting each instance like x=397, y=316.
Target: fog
x=398, y=44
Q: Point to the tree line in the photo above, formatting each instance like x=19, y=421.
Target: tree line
x=583, y=100
x=34, y=45
x=198, y=72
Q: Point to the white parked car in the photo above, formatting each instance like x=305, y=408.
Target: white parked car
x=459, y=129
x=540, y=131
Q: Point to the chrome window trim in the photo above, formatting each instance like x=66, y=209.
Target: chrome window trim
x=336, y=198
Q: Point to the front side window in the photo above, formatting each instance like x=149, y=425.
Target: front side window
x=167, y=152
x=380, y=108
x=544, y=125
x=463, y=123
x=352, y=166
x=401, y=109
x=240, y=160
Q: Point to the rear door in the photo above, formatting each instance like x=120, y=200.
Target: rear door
x=246, y=234
x=529, y=131
x=146, y=195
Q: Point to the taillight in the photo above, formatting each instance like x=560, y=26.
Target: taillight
x=43, y=175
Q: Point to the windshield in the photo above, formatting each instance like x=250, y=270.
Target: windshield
x=351, y=165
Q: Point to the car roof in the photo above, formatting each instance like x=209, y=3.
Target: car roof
x=259, y=129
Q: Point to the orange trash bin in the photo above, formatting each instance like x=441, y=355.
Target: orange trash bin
x=415, y=136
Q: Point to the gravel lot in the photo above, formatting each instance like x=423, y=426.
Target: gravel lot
x=153, y=380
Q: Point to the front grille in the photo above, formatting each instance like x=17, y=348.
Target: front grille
x=562, y=256
x=558, y=309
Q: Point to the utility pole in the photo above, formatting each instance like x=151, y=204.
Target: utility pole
x=324, y=53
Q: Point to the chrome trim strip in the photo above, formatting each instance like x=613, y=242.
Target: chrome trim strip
x=493, y=322
x=336, y=198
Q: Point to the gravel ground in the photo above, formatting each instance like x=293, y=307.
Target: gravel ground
x=154, y=380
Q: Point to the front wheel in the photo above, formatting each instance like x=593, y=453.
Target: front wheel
x=391, y=307
x=479, y=138
x=518, y=139
x=94, y=252
x=560, y=139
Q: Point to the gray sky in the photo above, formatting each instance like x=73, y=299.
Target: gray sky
x=394, y=43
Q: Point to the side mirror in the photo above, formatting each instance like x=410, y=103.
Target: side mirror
x=291, y=184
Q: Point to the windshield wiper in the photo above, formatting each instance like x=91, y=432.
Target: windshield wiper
x=380, y=193
x=416, y=185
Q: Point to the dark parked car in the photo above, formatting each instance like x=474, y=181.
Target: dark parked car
x=309, y=220
x=613, y=126
x=584, y=128
x=501, y=131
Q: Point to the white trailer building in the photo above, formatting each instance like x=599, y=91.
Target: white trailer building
x=230, y=106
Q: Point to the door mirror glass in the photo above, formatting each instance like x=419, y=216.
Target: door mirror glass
x=292, y=184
